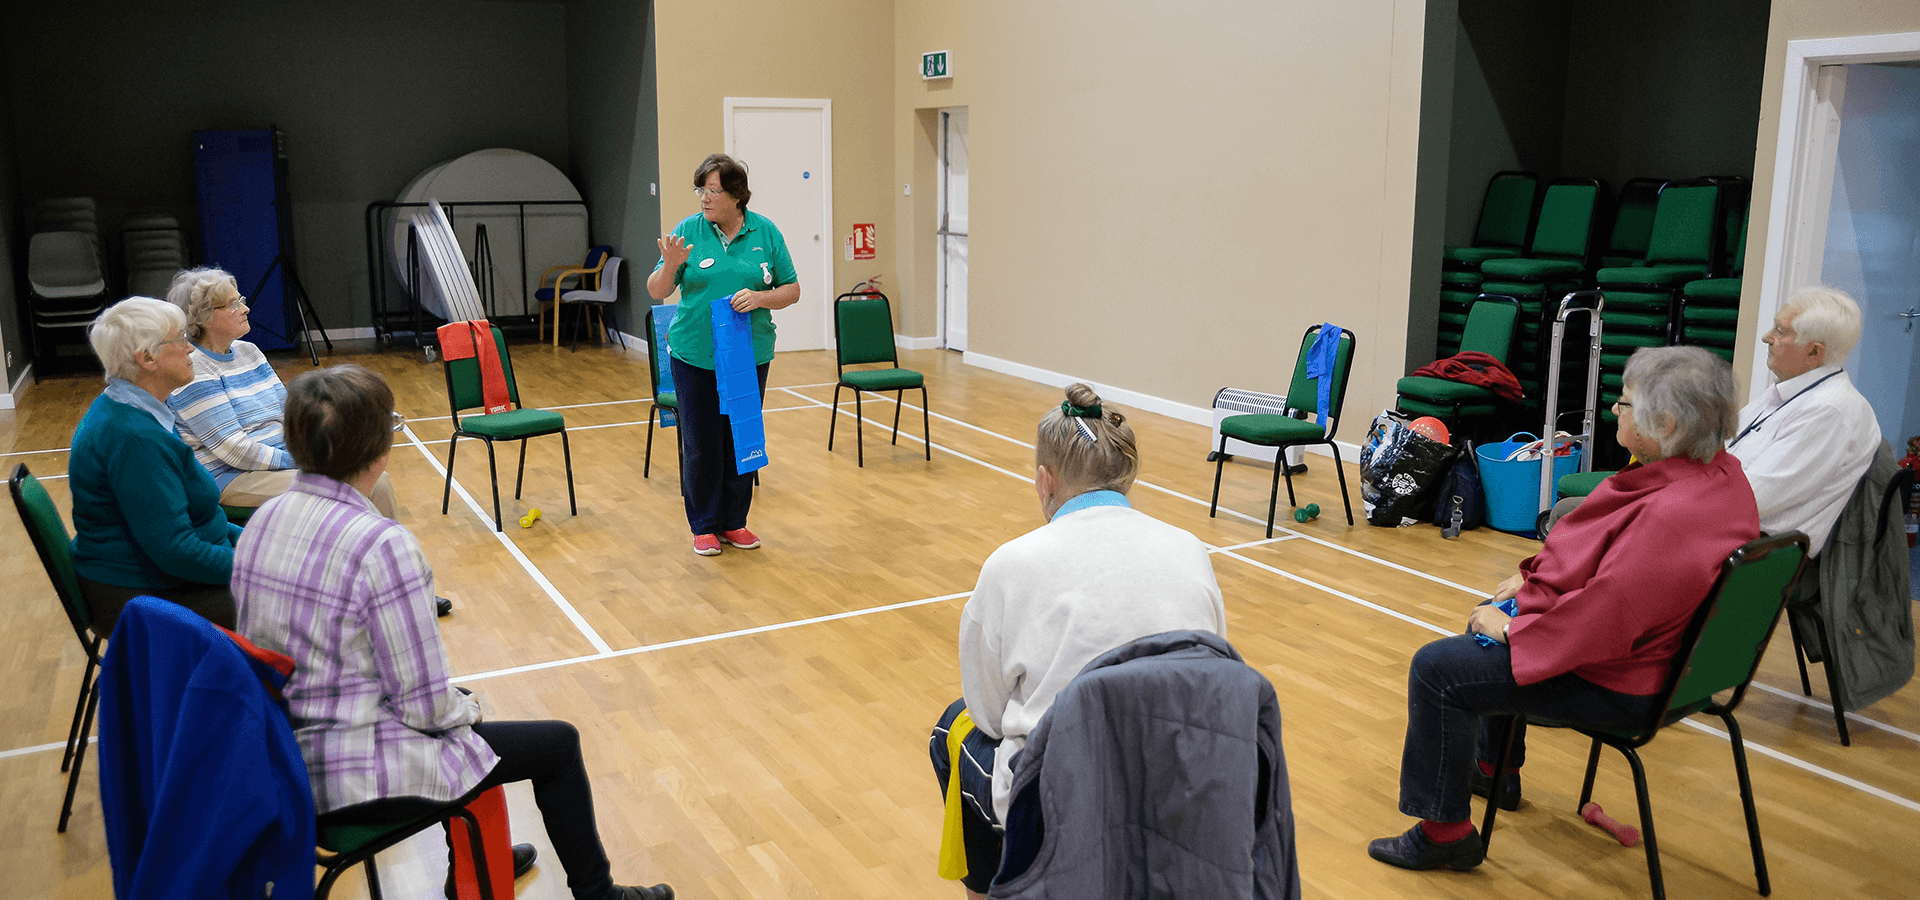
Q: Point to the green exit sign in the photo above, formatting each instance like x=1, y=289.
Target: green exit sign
x=936, y=65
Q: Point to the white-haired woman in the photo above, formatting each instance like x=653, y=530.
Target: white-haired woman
x=1599, y=610
x=146, y=517
x=1097, y=575
x=231, y=414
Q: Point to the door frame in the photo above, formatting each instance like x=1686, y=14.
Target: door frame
x=1803, y=167
x=942, y=204
x=827, y=244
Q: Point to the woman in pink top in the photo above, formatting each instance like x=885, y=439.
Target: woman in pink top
x=1600, y=609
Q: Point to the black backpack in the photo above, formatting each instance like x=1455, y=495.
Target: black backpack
x=1461, y=506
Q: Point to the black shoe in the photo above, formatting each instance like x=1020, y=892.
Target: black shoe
x=442, y=607
x=1509, y=791
x=523, y=857
x=1300, y=469
x=657, y=892
x=1414, y=850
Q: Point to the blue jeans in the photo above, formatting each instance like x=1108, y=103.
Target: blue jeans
x=1460, y=697
x=717, y=498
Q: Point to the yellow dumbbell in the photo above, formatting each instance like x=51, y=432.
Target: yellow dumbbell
x=532, y=516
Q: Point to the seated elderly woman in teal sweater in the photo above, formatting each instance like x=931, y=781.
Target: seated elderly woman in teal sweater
x=146, y=516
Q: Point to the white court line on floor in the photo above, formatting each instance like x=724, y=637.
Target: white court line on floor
x=703, y=639
x=1826, y=707
x=34, y=452
x=573, y=615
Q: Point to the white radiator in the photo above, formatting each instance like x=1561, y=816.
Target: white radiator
x=1234, y=402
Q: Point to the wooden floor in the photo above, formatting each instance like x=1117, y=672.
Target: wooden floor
x=756, y=723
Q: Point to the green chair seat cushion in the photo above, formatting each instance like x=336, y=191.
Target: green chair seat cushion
x=1724, y=316
x=1418, y=407
x=348, y=838
x=1660, y=275
x=1713, y=289
x=514, y=424
x=1530, y=269
x=668, y=399
x=1457, y=280
x=1440, y=390
x=1621, y=262
x=1478, y=255
x=1268, y=429
x=1580, y=484
x=1631, y=319
x=882, y=379
x=239, y=515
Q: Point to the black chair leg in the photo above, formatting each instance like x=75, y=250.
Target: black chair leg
x=1219, y=462
x=79, y=757
x=1593, y=767
x=493, y=477
x=520, y=473
x=1799, y=653
x=1499, y=775
x=1833, y=681
x=1273, y=497
x=646, y=468
x=859, y=431
x=926, y=423
x=1341, y=471
x=453, y=448
x=79, y=704
x=1746, y=803
x=1646, y=823
x=373, y=880
x=833, y=420
x=899, y=400
x=566, y=454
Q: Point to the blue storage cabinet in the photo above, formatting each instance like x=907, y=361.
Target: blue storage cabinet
x=240, y=223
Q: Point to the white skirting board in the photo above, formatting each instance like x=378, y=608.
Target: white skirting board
x=1198, y=415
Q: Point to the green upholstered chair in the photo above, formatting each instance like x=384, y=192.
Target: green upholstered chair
x=1632, y=223
x=347, y=846
x=49, y=534
x=657, y=364
x=1559, y=260
x=1710, y=307
x=1506, y=217
x=1684, y=246
x=1294, y=429
x=1719, y=652
x=1489, y=330
x=863, y=335
x=517, y=424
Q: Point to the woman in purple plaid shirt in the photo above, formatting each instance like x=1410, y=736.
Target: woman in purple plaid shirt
x=321, y=576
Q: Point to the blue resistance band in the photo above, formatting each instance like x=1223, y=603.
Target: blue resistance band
x=739, y=384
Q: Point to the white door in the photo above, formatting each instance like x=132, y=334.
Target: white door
x=951, y=269
x=787, y=148
x=1873, y=238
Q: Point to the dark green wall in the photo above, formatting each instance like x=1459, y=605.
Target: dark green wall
x=105, y=95
x=613, y=125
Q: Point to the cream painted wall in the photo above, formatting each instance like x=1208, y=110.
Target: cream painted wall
x=838, y=50
x=1794, y=20
x=1164, y=196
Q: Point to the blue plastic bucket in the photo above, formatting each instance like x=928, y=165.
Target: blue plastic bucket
x=1513, y=488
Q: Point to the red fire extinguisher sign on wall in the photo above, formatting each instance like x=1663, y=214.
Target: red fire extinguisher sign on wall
x=863, y=241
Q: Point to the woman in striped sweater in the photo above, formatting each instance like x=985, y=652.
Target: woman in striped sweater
x=231, y=413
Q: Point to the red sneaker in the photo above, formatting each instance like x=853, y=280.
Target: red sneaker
x=706, y=545
x=740, y=537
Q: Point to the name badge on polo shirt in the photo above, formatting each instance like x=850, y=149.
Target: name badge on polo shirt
x=707, y=263
x=766, y=272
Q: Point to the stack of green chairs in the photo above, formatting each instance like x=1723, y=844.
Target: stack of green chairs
x=1710, y=307
x=1506, y=219
x=1559, y=260
x=1643, y=301
x=1632, y=223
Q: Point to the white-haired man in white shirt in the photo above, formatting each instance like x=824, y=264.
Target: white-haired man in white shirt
x=1807, y=439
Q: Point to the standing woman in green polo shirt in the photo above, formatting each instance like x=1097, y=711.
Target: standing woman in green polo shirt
x=725, y=251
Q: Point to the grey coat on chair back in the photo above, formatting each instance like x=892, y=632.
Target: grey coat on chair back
x=1157, y=773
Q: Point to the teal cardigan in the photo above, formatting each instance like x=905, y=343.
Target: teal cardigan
x=145, y=514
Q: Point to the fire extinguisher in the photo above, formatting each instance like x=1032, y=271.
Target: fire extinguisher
x=1912, y=463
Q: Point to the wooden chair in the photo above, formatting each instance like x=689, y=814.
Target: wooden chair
x=587, y=277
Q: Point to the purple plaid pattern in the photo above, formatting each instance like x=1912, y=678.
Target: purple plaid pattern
x=322, y=577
